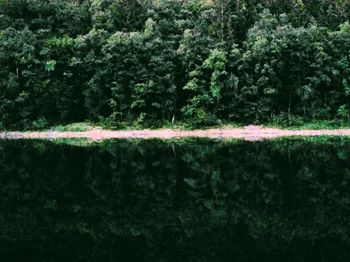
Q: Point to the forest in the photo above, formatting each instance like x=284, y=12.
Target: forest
x=155, y=61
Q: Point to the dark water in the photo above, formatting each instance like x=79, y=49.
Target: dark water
x=195, y=200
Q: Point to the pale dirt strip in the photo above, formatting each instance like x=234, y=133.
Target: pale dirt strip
x=249, y=133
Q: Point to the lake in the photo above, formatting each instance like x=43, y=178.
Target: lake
x=180, y=200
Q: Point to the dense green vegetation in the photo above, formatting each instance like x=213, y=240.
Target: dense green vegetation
x=149, y=61
x=199, y=201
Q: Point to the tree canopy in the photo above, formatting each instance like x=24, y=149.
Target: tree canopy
x=200, y=61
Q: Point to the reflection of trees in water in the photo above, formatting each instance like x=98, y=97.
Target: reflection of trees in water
x=184, y=201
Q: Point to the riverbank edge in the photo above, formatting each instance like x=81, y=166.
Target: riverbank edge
x=248, y=133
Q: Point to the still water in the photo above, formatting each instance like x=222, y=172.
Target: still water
x=189, y=200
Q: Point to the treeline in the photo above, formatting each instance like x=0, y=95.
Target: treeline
x=147, y=61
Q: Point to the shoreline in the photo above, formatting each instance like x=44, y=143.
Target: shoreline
x=248, y=133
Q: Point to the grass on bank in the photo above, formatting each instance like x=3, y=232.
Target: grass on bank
x=74, y=127
x=183, y=125
x=313, y=125
x=86, y=126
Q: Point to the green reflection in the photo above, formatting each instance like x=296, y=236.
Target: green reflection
x=186, y=200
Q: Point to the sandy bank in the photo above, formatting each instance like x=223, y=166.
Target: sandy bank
x=250, y=133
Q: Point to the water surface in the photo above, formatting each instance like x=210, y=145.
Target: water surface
x=190, y=200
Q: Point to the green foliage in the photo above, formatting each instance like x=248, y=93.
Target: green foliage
x=205, y=85
x=39, y=124
x=75, y=127
x=143, y=61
